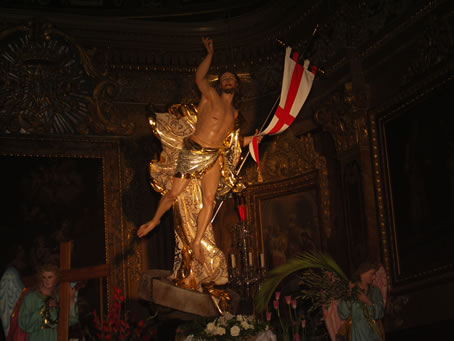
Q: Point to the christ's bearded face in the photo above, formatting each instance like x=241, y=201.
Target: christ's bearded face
x=228, y=83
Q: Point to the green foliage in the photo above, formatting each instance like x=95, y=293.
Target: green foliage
x=320, y=287
x=304, y=261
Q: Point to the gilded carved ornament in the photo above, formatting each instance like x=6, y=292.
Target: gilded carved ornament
x=135, y=250
x=46, y=85
x=343, y=117
x=434, y=47
x=134, y=258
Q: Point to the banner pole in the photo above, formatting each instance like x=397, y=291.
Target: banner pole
x=237, y=172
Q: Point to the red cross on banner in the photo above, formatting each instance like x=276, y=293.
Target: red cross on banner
x=296, y=84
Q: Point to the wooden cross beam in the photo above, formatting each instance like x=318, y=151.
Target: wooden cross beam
x=72, y=275
x=64, y=292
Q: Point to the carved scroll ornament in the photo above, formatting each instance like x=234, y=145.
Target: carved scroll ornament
x=46, y=82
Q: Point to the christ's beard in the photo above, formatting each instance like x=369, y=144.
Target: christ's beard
x=229, y=91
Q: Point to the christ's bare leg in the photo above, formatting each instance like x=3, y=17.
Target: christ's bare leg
x=210, y=182
x=166, y=202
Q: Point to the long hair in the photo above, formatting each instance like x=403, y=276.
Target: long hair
x=237, y=94
x=362, y=268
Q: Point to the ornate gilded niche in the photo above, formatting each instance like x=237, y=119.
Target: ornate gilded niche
x=66, y=188
x=343, y=117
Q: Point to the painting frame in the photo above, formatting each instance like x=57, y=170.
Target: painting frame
x=108, y=152
x=260, y=199
x=393, y=212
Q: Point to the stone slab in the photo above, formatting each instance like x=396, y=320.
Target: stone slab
x=175, y=302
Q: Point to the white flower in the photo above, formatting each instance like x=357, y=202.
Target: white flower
x=220, y=331
x=240, y=318
x=227, y=316
x=210, y=328
x=235, y=331
x=246, y=325
x=221, y=321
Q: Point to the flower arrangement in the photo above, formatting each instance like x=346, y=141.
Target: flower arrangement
x=294, y=321
x=320, y=280
x=118, y=326
x=225, y=327
x=322, y=277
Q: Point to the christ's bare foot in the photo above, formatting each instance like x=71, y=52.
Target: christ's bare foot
x=145, y=228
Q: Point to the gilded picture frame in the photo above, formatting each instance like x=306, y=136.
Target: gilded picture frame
x=286, y=217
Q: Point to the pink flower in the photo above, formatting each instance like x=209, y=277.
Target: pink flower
x=276, y=304
x=303, y=323
x=294, y=304
x=297, y=337
x=268, y=316
x=278, y=294
x=288, y=299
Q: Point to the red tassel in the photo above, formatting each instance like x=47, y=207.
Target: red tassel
x=242, y=211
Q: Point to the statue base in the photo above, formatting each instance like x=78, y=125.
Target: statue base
x=172, y=302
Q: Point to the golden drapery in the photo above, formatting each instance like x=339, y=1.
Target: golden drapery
x=172, y=128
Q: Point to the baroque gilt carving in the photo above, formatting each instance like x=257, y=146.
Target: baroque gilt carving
x=47, y=85
x=342, y=118
x=134, y=258
x=434, y=45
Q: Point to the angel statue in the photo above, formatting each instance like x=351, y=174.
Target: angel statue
x=359, y=318
x=11, y=286
x=352, y=309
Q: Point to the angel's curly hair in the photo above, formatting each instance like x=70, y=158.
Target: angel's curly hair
x=48, y=267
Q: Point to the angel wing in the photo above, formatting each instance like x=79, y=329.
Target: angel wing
x=332, y=319
x=381, y=282
x=10, y=289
